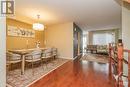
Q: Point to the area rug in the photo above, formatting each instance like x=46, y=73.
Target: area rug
x=96, y=58
x=15, y=79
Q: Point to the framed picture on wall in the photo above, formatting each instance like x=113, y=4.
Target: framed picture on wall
x=20, y=32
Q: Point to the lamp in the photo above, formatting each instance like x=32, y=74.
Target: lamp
x=38, y=26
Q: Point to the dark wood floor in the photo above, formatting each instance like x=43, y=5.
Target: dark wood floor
x=77, y=74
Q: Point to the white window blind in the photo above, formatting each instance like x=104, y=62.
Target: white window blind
x=103, y=38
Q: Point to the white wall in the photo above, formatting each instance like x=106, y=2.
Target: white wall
x=61, y=37
x=126, y=33
x=2, y=52
x=126, y=27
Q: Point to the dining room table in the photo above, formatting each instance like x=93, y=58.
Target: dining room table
x=23, y=53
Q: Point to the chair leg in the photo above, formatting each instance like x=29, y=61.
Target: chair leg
x=53, y=59
x=42, y=64
x=7, y=69
x=21, y=68
x=32, y=69
x=11, y=67
x=25, y=67
x=46, y=63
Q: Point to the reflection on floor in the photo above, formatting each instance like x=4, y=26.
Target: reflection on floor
x=95, y=57
x=77, y=73
x=15, y=79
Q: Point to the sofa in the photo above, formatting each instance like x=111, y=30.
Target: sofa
x=91, y=48
x=102, y=49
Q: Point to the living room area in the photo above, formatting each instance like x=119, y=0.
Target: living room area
x=96, y=44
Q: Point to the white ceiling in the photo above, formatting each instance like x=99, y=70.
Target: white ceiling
x=88, y=14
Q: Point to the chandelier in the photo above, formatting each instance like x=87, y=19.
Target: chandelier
x=38, y=26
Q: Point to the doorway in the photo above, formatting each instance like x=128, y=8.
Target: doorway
x=78, y=42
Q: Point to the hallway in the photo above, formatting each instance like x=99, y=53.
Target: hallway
x=77, y=73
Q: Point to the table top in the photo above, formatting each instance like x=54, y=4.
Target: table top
x=25, y=51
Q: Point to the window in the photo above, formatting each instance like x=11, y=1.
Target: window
x=103, y=38
x=84, y=42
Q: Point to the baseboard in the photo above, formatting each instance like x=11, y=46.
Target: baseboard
x=65, y=58
x=77, y=56
x=70, y=58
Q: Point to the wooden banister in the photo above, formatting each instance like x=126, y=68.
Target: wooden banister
x=110, y=60
x=125, y=50
x=120, y=64
x=128, y=62
x=125, y=61
x=114, y=60
x=129, y=68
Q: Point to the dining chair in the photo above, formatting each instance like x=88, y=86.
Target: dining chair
x=12, y=58
x=47, y=55
x=33, y=57
x=54, y=52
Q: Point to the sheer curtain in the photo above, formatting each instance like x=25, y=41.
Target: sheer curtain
x=103, y=38
x=84, y=42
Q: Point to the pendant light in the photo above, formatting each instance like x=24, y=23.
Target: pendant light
x=38, y=26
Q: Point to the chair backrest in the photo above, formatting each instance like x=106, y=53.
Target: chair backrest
x=48, y=52
x=54, y=51
x=12, y=57
x=35, y=54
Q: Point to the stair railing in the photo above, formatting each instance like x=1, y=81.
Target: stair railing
x=128, y=63
x=116, y=59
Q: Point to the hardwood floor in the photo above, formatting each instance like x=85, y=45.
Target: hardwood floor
x=77, y=74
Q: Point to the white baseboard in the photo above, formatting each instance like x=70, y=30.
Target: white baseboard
x=69, y=57
x=77, y=56
x=65, y=58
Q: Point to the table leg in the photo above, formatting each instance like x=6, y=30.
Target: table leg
x=23, y=64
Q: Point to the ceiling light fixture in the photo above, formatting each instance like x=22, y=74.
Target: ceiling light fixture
x=38, y=26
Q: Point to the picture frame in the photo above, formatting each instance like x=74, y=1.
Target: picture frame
x=20, y=32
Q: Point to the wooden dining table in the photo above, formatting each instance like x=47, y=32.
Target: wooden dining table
x=23, y=52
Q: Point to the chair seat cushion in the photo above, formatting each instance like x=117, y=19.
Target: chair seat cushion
x=13, y=61
x=46, y=57
x=12, y=57
x=30, y=60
